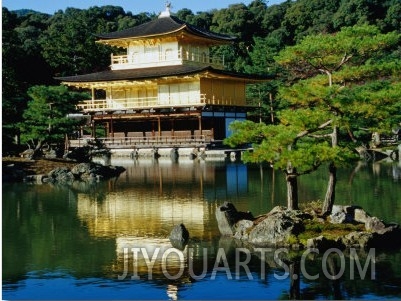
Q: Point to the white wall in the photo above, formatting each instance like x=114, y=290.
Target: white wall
x=179, y=93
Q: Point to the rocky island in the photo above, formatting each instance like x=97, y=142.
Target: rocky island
x=346, y=227
x=57, y=171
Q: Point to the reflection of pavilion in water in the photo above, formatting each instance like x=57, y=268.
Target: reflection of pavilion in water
x=153, y=196
x=141, y=207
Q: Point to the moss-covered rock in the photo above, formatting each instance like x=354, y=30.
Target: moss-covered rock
x=299, y=229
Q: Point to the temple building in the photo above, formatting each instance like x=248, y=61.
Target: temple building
x=166, y=87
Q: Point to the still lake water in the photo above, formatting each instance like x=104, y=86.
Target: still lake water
x=68, y=242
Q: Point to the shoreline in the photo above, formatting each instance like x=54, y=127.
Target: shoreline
x=36, y=167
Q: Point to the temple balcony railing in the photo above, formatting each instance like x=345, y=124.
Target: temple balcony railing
x=145, y=142
x=146, y=103
x=138, y=103
x=159, y=59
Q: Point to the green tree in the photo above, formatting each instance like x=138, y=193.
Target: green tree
x=352, y=61
x=286, y=146
x=185, y=15
x=359, y=12
x=339, y=83
x=306, y=17
x=261, y=61
x=13, y=95
x=392, y=20
x=129, y=20
x=258, y=9
x=69, y=44
x=273, y=16
x=46, y=121
x=236, y=20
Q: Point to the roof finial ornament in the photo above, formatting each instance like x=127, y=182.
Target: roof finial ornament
x=167, y=12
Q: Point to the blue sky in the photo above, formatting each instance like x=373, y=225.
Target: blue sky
x=135, y=6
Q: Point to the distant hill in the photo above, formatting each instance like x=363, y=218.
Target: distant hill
x=23, y=12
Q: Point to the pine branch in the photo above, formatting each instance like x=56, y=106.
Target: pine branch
x=310, y=131
x=321, y=136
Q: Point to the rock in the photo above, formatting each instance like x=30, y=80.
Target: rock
x=85, y=172
x=386, y=235
x=61, y=174
x=273, y=229
x=375, y=225
x=348, y=214
x=276, y=228
x=242, y=229
x=96, y=171
x=51, y=154
x=297, y=214
x=281, y=227
x=179, y=237
x=81, y=168
x=27, y=153
x=38, y=179
x=356, y=239
x=322, y=243
x=227, y=216
x=361, y=216
x=342, y=214
x=277, y=209
x=338, y=218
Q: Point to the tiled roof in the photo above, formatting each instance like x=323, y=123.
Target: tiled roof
x=162, y=26
x=154, y=73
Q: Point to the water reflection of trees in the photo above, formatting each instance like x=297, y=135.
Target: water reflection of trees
x=43, y=233
x=368, y=185
x=42, y=225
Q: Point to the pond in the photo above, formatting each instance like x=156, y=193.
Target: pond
x=109, y=240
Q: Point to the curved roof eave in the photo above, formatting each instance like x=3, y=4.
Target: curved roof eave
x=159, y=72
x=108, y=40
x=161, y=27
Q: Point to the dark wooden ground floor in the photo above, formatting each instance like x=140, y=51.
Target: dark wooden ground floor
x=190, y=124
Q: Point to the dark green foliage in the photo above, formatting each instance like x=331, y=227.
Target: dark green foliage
x=45, y=121
x=36, y=46
x=353, y=74
x=306, y=17
x=94, y=148
x=358, y=12
x=338, y=83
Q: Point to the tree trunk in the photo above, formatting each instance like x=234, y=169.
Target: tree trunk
x=271, y=108
x=331, y=186
x=331, y=190
x=37, y=151
x=292, y=191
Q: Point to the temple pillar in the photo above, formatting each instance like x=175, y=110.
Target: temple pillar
x=159, y=127
x=200, y=123
x=93, y=129
x=111, y=126
x=107, y=129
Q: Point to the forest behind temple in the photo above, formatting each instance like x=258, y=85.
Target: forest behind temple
x=38, y=47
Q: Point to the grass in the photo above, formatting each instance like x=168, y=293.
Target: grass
x=311, y=206
x=314, y=228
